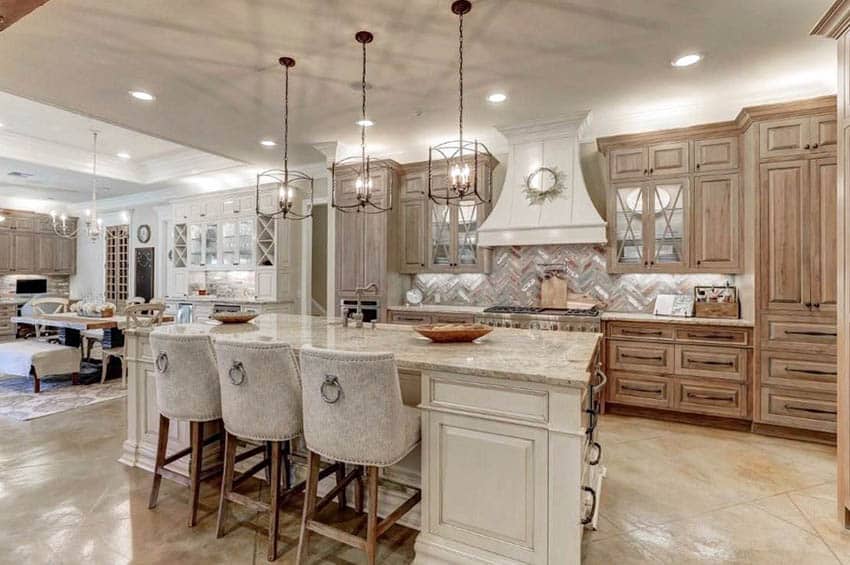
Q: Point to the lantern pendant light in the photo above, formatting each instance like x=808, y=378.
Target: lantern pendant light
x=455, y=167
x=363, y=197
x=293, y=187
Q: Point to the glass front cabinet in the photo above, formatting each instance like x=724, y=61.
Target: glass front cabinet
x=649, y=226
x=227, y=244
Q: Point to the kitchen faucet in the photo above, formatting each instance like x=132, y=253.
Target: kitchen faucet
x=358, y=314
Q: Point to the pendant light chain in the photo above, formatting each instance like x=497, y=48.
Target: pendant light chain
x=460, y=82
x=286, y=125
x=94, y=176
x=363, y=111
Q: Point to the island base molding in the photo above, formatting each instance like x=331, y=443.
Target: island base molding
x=433, y=550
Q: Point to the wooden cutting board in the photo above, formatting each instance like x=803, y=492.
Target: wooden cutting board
x=554, y=292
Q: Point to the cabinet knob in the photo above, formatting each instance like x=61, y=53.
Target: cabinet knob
x=807, y=304
x=645, y=171
x=816, y=304
x=815, y=146
x=697, y=165
x=699, y=262
x=807, y=146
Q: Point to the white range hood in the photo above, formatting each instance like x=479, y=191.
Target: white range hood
x=571, y=217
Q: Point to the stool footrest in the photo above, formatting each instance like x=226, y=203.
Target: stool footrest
x=330, y=495
x=337, y=534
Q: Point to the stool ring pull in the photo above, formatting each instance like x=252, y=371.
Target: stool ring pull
x=237, y=373
x=331, y=390
x=161, y=362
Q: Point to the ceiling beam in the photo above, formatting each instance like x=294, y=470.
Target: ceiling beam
x=13, y=10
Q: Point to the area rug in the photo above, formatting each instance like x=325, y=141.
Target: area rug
x=18, y=401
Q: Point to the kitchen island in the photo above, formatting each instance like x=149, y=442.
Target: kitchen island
x=504, y=457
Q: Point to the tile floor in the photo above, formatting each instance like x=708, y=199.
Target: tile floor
x=674, y=494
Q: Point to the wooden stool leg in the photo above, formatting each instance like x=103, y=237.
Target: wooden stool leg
x=75, y=379
x=268, y=455
x=358, y=492
x=342, y=499
x=161, y=447
x=287, y=465
x=309, y=505
x=274, y=500
x=229, y=455
x=372, y=528
x=36, y=382
x=196, y=433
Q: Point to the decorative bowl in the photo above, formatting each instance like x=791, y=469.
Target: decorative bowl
x=234, y=317
x=453, y=333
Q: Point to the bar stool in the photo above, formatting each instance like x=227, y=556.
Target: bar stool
x=260, y=402
x=186, y=390
x=353, y=413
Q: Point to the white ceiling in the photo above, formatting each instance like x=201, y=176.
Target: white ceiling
x=213, y=67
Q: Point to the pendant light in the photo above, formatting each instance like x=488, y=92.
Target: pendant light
x=357, y=194
x=292, y=186
x=94, y=224
x=454, y=166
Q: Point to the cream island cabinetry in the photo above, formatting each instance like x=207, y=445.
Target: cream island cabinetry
x=509, y=411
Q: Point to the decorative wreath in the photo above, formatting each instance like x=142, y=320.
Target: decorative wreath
x=542, y=193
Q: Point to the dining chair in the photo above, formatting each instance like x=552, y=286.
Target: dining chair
x=44, y=306
x=90, y=337
x=138, y=316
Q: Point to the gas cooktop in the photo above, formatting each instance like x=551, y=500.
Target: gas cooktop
x=589, y=312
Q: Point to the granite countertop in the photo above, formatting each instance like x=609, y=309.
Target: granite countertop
x=222, y=299
x=646, y=317
x=552, y=358
x=438, y=308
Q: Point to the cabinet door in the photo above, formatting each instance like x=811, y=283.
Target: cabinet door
x=229, y=243
x=824, y=133
x=65, y=257
x=440, y=237
x=627, y=250
x=211, y=255
x=669, y=159
x=46, y=254
x=628, y=163
x=823, y=233
x=265, y=284
x=5, y=251
x=716, y=221
x=245, y=249
x=374, y=255
x=669, y=206
x=465, y=221
x=412, y=242
x=719, y=154
x=786, y=260
x=23, y=248
x=349, y=251
x=782, y=138
x=196, y=242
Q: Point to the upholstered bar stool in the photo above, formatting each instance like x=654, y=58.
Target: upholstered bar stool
x=353, y=413
x=186, y=390
x=260, y=402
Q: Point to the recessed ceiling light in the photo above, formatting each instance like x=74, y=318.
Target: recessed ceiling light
x=124, y=155
x=365, y=123
x=687, y=60
x=268, y=143
x=497, y=97
x=1, y=125
x=142, y=95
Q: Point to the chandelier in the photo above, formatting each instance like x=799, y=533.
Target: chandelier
x=463, y=159
x=292, y=185
x=358, y=196
x=94, y=224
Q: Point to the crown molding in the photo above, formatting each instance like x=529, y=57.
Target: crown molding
x=808, y=106
x=835, y=22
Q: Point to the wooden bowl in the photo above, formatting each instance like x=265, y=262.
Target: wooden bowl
x=453, y=333
x=234, y=317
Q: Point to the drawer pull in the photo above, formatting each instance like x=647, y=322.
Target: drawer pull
x=699, y=396
x=809, y=410
x=811, y=372
x=589, y=518
x=714, y=363
x=711, y=336
x=659, y=333
x=642, y=357
x=634, y=388
x=822, y=334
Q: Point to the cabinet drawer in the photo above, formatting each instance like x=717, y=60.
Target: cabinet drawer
x=720, y=336
x=795, y=370
x=713, y=362
x=798, y=409
x=410, y=318
x=451, y=318
x=669, y=158
x=640, y=331
x=640, y=356
x=640, y=390
x=712, y=399
x=784, y=333
x=719, y=154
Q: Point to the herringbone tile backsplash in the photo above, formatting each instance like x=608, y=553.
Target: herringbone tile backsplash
x=516, y=274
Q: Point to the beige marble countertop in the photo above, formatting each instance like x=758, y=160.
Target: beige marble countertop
x=222, y=299
x=645, y=317
x=552, y=358
x=438, y=308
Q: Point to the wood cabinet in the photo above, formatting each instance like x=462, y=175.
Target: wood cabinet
x=628, y=163
x=412, y=243
x=28, y=245
x=798, y=136
x=716, y=154
x=823, y=233
x=658, y=159
x=23, y=253
x=6, y=257
x=45, y=253
x=701, y=369
x=717, y=219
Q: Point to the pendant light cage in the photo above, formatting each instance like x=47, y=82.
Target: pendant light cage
x=458, y=169
x=293, y=189
x=352, y=178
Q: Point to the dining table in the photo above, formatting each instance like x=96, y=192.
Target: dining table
x=71, y=325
